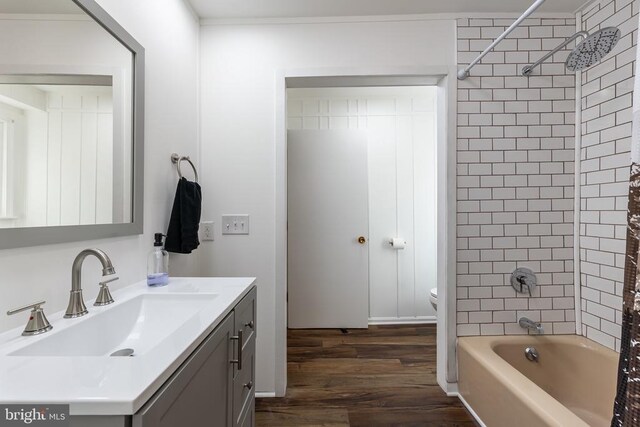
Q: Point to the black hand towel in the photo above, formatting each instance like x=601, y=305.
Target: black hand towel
x=182, y=236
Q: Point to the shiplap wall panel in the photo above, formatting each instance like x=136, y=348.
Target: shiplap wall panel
x=70, y=160
x=12, y=156
x=88, y=178
x=383, y=263
x=104, y=170
x=424, y=209
x=37, y=159
x=405, y=204
x=4, y=166
x=79, y=187
x=54, y=167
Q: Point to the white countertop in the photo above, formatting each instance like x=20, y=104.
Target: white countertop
x=103, y=385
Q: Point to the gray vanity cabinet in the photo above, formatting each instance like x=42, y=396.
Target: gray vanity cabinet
x=200, y=392
x=243, y=379
x=209, y=389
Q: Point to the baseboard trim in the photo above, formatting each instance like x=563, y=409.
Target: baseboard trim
x=263, y=394
x=471, y=411
x=451, y=389
x=402, y=320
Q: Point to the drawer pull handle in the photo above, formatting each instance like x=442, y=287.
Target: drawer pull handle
x=250, y=324
x=248, y=385
x=238, y=361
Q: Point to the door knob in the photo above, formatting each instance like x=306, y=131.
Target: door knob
x=362, y=240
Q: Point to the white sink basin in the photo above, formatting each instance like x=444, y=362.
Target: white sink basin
x=72, y=364
x=139, y=324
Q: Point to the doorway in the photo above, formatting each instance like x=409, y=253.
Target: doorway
x=397, y=236
x=442, y=77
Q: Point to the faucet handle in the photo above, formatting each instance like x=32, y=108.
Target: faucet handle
x=522, y=281
x=104, y=282
x=37, y=323
x=104, y=296
x=34, y=306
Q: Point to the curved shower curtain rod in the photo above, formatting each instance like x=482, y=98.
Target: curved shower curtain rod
x=464, y=73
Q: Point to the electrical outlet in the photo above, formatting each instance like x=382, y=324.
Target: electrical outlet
x=235, y=224
x=206, y=230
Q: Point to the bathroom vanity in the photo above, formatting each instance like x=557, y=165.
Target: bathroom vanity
x=193, y=360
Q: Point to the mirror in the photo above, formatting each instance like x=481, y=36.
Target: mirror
x=71, y=130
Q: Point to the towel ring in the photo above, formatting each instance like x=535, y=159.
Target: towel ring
x=176, y=159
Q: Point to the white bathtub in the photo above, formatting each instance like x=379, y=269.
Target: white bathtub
x=572, y=384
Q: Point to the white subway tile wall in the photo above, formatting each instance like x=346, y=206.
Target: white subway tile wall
x=515, y=178
x=606, y=137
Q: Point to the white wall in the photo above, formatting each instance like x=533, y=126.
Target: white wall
x=37, y=43
x=400, y=124
x=239, y=65
x=169, y=33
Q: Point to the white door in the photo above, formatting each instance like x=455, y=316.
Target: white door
x=328, y=257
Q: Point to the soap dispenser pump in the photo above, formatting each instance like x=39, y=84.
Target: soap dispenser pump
x=158, y=263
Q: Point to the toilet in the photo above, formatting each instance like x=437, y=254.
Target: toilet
x=433, y=298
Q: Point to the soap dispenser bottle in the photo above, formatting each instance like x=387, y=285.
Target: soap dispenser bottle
x=158, y=263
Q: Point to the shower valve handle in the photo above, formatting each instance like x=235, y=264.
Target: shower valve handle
x=522, y=280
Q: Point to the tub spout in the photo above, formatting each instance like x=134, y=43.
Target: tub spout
x=531, y=325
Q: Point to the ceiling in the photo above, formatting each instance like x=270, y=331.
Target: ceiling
x=39, y=7
x=326, y=8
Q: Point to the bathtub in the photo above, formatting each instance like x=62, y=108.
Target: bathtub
x=572, y=384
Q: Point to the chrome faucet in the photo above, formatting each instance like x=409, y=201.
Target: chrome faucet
x=531, y=325
x=76, y=307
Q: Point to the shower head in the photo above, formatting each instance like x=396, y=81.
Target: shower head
x=586, y=53
x=592, y=49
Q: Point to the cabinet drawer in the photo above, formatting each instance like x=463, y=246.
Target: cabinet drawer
x=245, y=313
x=244, y=383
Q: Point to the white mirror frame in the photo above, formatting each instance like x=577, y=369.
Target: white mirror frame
x=35, y=236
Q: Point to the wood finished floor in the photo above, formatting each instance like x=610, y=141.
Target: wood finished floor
x=383, y=376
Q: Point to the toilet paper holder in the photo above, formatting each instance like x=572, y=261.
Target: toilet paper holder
x=397, y=243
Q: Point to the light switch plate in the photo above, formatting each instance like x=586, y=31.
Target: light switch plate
x=235, y=224
x=207, y=230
